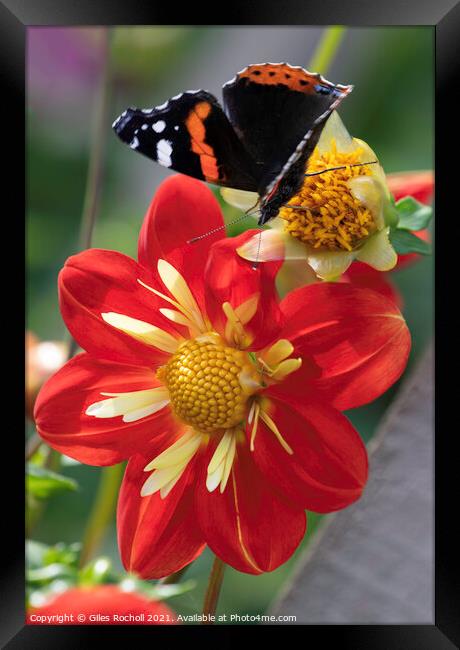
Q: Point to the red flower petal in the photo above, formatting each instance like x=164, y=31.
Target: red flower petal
x=62, y=402
x=105, y=600
x=354, y=343
x=156, y=536
x=98, y=281
x=419, y=184
x=328, y=468
x=249, y=526
x=230, y=278
x=182, y=208
x=364, y=276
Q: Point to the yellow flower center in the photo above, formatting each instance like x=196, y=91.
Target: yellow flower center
x=330, y=218
x=206, y=383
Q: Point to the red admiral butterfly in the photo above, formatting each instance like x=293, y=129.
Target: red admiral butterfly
x=261, y=141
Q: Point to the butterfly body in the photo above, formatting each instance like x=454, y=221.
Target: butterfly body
x=260, y=141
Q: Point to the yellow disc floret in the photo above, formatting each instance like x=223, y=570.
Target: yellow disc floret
x=330, y=218
x=205, y=380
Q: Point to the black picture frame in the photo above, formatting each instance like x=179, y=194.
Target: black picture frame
x=444, y=16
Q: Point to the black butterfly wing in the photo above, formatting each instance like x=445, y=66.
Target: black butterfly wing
x=191, y=134
x=278, y=111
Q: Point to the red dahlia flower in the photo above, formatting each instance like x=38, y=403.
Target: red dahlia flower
x=98, y=605
x=225, y=401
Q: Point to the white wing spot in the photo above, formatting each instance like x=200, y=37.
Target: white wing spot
x=164, y=151
x=144, y=126
x=176, y=128
x=159, y=126
x=134, y=143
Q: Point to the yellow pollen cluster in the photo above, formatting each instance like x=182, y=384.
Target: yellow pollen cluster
x=204, y=386
x=332, y=219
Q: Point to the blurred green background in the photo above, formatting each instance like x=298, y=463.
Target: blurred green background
x=391, y=108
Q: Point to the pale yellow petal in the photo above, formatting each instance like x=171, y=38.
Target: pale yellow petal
x=294, y=274
x=221, y=462
x=285, y=368
x=142, y=331
x=254, y=414
x=176, y=317
x=235, y=333
x=138, y=414
x=133, y=405
x=377, y=172
x=170, y=465
x=378, y=252
x=335, y=130
x=329, y=265
x=228, y=464
x=247, y=310
x=160, y=478
x=220, y=452
x=239, y=198
x=279, y=351
x=176, y=285
x=370, y=192
x=277, y=223
x=182, y=450
x=265, y=246
x=274, y=429
x=166, y=489
x=249, y=381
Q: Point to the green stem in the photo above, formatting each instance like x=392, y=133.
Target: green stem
x=214, y=585
x=35, y=508
x=102, y=512
x=94, y=174
x=32, y=445
x=326, y=49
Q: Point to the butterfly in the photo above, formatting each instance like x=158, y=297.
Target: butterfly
x=260, y=141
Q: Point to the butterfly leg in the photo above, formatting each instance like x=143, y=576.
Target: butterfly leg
x=214, y=230
x=256, y=261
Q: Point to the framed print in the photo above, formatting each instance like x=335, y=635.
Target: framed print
x=230, y=300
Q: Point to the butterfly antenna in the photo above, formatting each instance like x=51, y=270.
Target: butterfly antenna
x=333, y=169
x=214, y=230
x=256, y=262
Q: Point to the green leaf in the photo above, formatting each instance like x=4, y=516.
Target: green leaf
x=405, y=242
x=97, y=572
x=66, y=461
x=39, y=555
x=162, y=592
x=45, y=574
x=412, y=214
x=34, y=553
x=62, y=554
x=42, y=483
x=390, y=213
x=157, y=591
